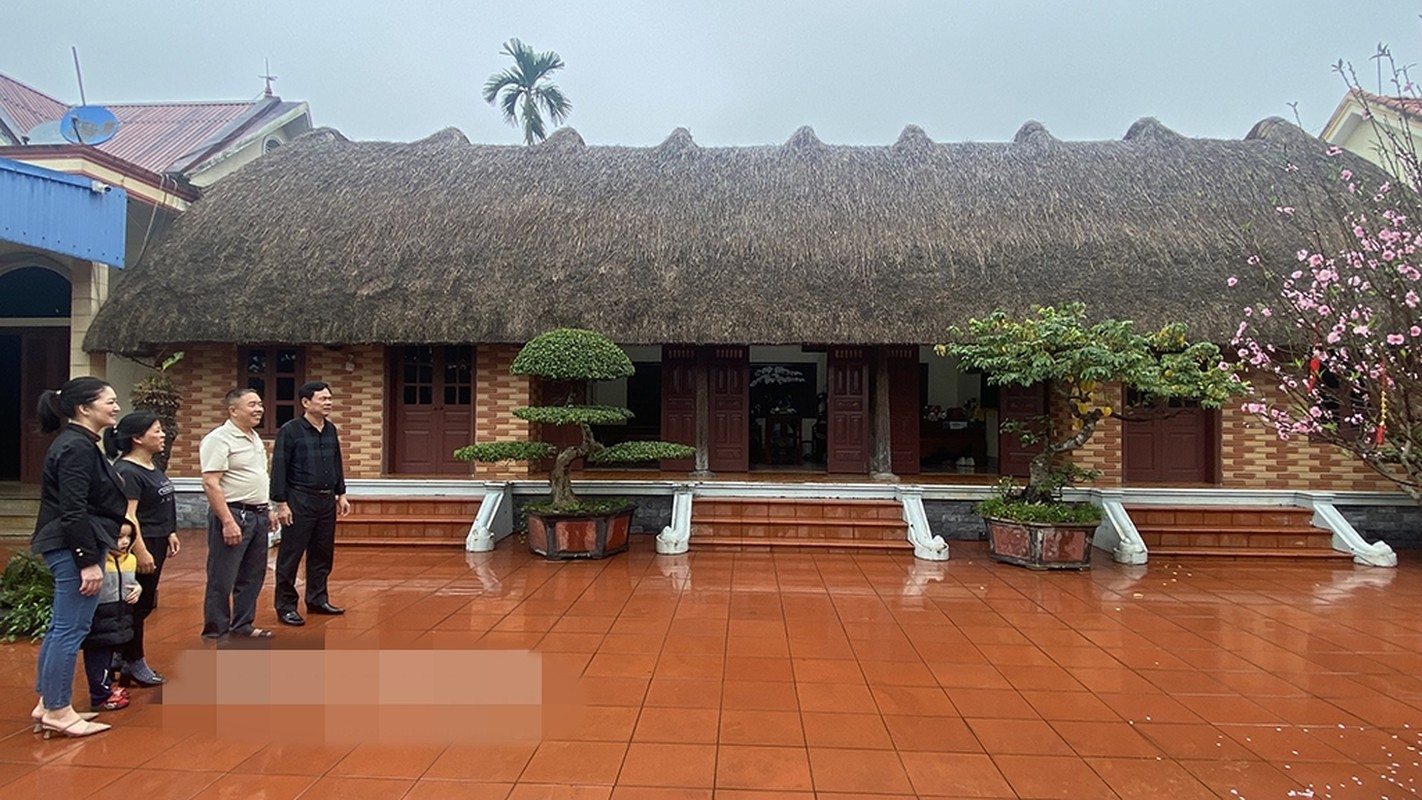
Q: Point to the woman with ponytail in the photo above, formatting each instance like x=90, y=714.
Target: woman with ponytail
x=134, y=441
x=82, y=507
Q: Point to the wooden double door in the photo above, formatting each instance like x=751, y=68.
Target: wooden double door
x=1180, y=445
x=433, y=409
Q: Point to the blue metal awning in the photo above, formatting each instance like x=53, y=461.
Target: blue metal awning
x=67, y=214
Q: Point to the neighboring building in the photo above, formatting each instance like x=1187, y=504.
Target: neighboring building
x=1370, y=125
x=412, y=286
x=163, y=156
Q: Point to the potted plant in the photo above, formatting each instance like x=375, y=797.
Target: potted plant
x=565, y=526
x=1079, y=362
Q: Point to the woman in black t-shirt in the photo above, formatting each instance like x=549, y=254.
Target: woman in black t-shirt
x=137, y=438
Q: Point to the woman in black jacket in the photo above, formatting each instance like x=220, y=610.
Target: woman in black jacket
x=82, y=506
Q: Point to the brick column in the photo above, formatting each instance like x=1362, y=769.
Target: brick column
x=496, y=395
x=357, y=377
x=206, y=373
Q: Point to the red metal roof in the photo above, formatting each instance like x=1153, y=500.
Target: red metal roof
x=1405, y=104
x=27, y=107
x=160, y=137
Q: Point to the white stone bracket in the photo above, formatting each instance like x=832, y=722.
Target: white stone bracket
x=1117, y=532
x=1347, y=539
x=494, y=520
x=927, y=545
x=675, y=538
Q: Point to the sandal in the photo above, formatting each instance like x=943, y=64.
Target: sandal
x=39, y=718
x=74, y=730
x=118, y=699
x=258, y=633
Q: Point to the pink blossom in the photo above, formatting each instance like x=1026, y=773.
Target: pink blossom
x=1346, y=174
x=1232, y=280
x=1415, y=330
x=1361, y=330
x=1253, y=260
x=1395, y=338
x=1335, y=150
x=1411, y=299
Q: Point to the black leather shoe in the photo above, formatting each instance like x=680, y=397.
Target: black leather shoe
x=324, y=608
x=291, y=618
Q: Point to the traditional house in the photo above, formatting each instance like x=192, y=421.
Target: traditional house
x=767, y=296
x=162, y=156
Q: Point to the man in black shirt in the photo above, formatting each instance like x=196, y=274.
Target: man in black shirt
x=309, y=489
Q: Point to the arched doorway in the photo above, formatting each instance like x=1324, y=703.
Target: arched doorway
x=35, y=297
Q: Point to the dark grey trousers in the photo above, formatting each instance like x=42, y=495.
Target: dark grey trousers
x=235, y=574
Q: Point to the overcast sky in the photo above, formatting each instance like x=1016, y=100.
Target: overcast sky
x=731, y=71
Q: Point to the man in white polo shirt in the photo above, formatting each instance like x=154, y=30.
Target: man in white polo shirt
x=234, y=478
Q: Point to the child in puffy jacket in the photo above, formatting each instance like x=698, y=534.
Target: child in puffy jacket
x=113, y=624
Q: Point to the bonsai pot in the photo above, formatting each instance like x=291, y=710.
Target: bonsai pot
x=559, y=536
x=1040, y=545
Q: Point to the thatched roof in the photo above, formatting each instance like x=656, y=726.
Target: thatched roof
x=332, y=241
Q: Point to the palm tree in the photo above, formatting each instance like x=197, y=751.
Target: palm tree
x=525, y=91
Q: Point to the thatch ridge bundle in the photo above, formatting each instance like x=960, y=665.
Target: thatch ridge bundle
x=435, y=241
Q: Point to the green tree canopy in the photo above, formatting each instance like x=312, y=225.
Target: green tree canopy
x=525, y=92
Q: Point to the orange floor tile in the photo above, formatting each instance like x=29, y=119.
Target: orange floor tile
x=784, y=676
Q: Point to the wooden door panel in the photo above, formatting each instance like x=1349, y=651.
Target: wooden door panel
x=904, y=412
x=1178, y=448
x=433, y=409
x=44, y=364
x=848, y=410
x=729, y=448
x=679, y=402
x=1021, y=403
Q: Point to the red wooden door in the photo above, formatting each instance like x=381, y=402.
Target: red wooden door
x=848, y=410
x=44, y=364
x=1178, y=448
x=1023, y=404
x=679, y=402
x=729, y=447
x=904, y=412
x=434, y=409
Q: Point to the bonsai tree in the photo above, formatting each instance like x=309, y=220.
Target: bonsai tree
x=158, y=393
x=1076, y=359
x=576, y=357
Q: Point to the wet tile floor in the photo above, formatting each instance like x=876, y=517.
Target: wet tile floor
x=797, y=676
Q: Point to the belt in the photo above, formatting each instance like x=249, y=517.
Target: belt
x=308, y=490
x=248, y=507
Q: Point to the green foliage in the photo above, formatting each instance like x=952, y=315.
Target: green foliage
x=1060, y=346
x=579, y=508
x=525, y=91
x=574, y=415
x=26, y=597
x=632, y=452
x=1047, y=512
x=572, y=354
x=506, y=451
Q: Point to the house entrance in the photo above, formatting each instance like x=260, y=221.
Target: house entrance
x=433, y=409
x=1179, y=445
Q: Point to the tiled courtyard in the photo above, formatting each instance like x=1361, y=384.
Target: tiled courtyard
x=739, y=675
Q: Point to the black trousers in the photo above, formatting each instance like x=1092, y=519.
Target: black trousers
x=148, y=600
x=312, y=533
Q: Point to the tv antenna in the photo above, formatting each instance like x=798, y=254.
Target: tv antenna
x=79, y=75
x=268, y=77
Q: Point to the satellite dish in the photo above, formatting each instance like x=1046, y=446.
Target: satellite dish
x=88, y=125
x=45, y=133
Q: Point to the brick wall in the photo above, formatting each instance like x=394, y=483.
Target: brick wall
x=497, y=394
x=207, y=372
x=1254, y=457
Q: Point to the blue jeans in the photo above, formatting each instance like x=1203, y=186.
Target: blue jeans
x=69, y=624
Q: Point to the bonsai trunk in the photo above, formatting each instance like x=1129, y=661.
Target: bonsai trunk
x=1039, y=471
x=559, y=479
